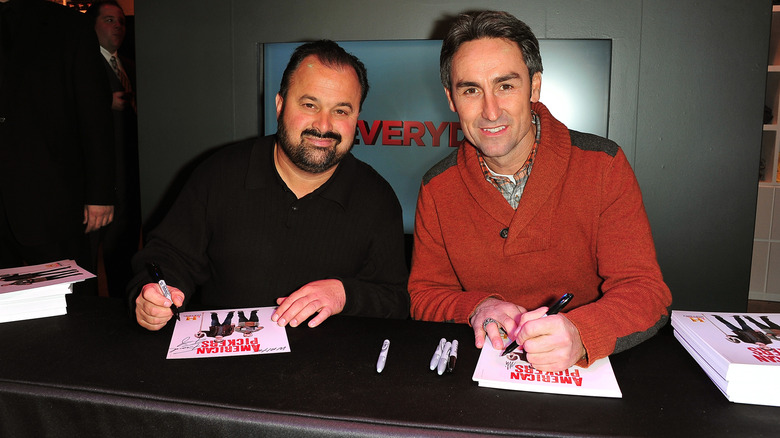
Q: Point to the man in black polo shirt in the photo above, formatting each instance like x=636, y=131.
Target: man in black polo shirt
x=291, y=219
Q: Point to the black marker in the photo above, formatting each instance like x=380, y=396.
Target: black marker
x=453, y=356
x=552, y=311
x=157, y=274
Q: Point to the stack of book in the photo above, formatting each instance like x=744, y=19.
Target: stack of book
x=38, y=291
x=740, y=352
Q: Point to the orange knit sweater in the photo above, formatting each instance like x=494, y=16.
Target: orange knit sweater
x=581, y=227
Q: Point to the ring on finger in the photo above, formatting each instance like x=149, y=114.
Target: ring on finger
x=488, y=321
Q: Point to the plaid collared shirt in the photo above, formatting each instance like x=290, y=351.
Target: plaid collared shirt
x=512, y=188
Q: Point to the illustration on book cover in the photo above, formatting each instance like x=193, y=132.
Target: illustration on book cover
x=35, y=276
x=758, y=334
x=234, y=332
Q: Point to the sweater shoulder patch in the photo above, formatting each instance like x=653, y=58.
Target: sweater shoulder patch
x=439, y=168
x=626, y=342
x=591, y=142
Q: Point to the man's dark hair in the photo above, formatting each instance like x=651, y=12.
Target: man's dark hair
x=488, y=24
x=330, y=54
x=93, y=12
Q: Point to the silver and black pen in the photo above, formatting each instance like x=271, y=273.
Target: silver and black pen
x=555, y=308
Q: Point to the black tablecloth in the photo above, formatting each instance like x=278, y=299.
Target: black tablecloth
x=94, y=372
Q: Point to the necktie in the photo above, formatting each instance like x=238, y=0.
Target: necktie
x=122, y=78
x=121, y=75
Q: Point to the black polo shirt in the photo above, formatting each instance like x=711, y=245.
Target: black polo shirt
x=242, y=238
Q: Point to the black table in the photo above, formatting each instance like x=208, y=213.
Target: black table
x=94, y=372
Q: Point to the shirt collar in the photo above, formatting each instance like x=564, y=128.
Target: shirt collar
x=108, y=55
x=263, y=174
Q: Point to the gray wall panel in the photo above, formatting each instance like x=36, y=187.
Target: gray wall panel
x=699, y=122
x=685, y=104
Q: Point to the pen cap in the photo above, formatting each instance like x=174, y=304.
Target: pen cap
x=445, y=357
x=155, y=271
x=437, y=354
x=560, y=304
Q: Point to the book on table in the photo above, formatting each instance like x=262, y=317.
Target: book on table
x=513, y=373
x=738, y=351
x=227, y=332
x=38, y=291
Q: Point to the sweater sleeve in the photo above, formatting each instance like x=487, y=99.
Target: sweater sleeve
x=635, y=300
x=434, y=288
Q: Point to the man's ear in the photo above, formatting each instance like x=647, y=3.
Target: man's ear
x=536, y=87
x=449, y=100
x=279, y=104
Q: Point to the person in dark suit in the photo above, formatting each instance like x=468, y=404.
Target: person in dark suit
x=119, y=240
x=56, y=135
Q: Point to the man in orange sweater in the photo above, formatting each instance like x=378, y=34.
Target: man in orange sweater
x=526, y=210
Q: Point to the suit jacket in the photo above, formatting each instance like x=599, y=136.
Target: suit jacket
x=126, y=144
x=56, y=134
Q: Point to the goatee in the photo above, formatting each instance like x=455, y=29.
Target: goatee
x=309, y=158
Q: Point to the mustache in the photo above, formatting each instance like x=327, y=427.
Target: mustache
x=316, y=133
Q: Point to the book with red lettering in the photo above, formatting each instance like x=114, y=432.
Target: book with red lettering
x=740, y=352
x=739, y=346
x=230, y=332
x=511, y=372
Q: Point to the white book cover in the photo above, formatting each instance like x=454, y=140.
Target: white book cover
x=36, y=293
x=231, y=332
x=40, y=280
x=766, y=393
x=511, y=372
x=738, y=346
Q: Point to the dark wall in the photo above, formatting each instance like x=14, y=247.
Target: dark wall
x=686, y=102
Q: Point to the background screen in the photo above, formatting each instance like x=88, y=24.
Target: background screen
x=406, y=126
